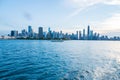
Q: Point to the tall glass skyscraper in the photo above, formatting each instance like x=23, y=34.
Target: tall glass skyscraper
x=83, y=33
x=40, y=32
x=30, y=31
x=88, y=32
x=79, y=35
x=76, y=35
x=14, y=33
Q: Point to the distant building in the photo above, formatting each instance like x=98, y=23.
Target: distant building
x=14, y=33
x=61, y=35
x=24, y=33
x=54, y=35
x=66, y=36
x=79, y=35
x=49, y=34
x=49, y=29
x=35, y=35
x=45, y=35
x=40, y=32
x=91, y=35
x=95, y=36
x=83, y=34
x=76, y=35
x=88, y=32
x=30, y=31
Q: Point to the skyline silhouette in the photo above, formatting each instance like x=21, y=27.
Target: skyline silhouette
x=84, y=34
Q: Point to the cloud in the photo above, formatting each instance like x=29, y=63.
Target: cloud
x=80, y=5
x=109, y=26
x=87, y=3
x=112, y=22
x=112, y=2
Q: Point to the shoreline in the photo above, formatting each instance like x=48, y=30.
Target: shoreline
x=58, y=39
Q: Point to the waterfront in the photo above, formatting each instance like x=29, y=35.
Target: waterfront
x=71, y=60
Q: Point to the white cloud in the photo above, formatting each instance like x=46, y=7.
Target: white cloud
x=112, y=2
x=112, y=22
x=109, y=26
x=80, y=5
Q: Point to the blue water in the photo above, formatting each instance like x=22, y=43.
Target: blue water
x=68, y=60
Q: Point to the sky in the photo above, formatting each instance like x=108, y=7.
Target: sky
x=67, y=15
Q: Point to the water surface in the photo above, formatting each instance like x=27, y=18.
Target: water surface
x=68, y=60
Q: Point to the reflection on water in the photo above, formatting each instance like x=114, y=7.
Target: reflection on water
x=69, y=60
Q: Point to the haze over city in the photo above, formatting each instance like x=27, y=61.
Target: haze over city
x=65, y=15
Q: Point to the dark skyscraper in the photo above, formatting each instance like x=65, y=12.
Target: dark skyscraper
x=88, y=32
x=79, y=35
x=40, y=32
x=30, y=31
x=14, y=33
x=24, y=33
x=83, y=33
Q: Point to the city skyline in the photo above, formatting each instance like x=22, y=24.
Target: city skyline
x=84, y=34
x=66, y=15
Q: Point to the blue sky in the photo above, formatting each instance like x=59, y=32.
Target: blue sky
x=66, y=15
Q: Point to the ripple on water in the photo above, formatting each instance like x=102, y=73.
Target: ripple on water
x=70, y=60
x=79, y=75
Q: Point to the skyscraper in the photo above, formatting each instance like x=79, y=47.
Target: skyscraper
x=49, y=30
x=76, y=35
x=91, y=35
x=49, y=34
x=88, y=32
x=61, y=35
x=24, y=33
x=30, y=31
x=79, y=35
x=40, y=32
x=14, y=33
x=83, y=34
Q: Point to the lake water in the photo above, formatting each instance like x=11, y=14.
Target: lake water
x=68, y=60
